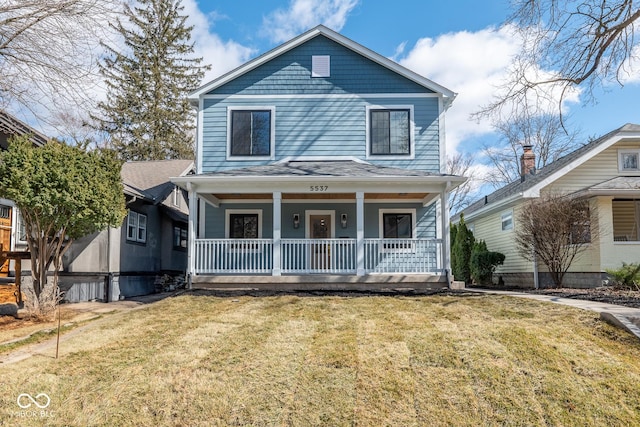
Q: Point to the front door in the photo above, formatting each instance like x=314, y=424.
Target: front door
x=5, y=237
x=320, y=227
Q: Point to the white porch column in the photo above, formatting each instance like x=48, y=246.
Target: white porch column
x=277, y=234
x=193, y=217
x=444, y=216
x=360, y=233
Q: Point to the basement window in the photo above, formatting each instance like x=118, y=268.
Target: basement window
x=320, y=66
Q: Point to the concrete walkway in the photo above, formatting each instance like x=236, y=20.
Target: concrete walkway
x=624, y=317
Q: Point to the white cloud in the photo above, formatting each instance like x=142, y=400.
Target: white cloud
x=472, y=64
x=222, y=55
x=301, y=15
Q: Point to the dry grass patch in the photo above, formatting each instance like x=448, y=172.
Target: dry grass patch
x=287, y=360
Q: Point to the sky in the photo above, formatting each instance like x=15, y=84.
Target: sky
x=457, y=43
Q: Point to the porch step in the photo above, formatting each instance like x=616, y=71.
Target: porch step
x=323, y=282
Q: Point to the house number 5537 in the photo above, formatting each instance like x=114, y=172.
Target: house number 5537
x=318, y=187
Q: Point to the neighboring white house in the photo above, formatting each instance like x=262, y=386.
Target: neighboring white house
x=606, y=172
x=320, y=157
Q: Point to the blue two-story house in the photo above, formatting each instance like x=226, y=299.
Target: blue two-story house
x=320, y=157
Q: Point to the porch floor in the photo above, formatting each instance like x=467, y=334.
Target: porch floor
x=322, y=282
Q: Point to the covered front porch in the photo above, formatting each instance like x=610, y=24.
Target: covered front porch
x=344, y=219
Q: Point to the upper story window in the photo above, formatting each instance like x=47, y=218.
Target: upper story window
x=136, y=227
x=506, y=220
x=390, y=132
x=251, y=133
x=320, y=66
x=629, y=160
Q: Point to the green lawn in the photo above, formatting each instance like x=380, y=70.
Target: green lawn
x=367, y=361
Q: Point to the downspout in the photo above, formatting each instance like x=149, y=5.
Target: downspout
x=536, y=283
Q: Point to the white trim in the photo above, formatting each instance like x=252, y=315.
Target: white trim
x=272, y=133
x=323, y=96
x=320, y=159
x=383, y=211
x=442, y=137
x=227, y=219
x=412, y=130
x=621, y=153
x=336, y=37
x=506, y=216
x=324, y=201
x=199, y=135
x=307, y=220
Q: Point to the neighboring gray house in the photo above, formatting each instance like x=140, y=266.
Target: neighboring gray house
x=152, y=241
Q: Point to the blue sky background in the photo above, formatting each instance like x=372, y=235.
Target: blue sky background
x=454, y=43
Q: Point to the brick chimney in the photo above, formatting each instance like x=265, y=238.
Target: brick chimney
x=527, y=161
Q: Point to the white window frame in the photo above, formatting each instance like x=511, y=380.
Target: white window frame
x=272, y=136
x=504, y=217
x=320, y=66
x=622, y=153
x=19, y=224
x=381, y=212
x=133, y=223
x=412, y=144
x=177, y=195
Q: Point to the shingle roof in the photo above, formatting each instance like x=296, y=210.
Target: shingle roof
x=151, y=179
x=334, y=168
x=531, y=180
x=12, y=126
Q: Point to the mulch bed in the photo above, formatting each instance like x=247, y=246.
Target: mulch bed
x=605, y=294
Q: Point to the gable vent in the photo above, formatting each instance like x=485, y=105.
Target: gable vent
x=320, y=66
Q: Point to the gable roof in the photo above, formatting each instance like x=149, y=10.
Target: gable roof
x=12, y=126
x=532, y=184
x=150, y=180
x=448, y=95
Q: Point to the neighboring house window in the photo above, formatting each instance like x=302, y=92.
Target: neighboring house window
x=180, y=233
x=177, y=195
x=581, y=230
x=251, y=133
x=21, y=229
x=390, y=131
x=137, y=227
x=626, y=220
x=507, y=221
x=320, y=66
x=244, y=224
x=629, y=160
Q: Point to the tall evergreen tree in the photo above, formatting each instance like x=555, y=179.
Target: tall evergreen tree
x=146, y=113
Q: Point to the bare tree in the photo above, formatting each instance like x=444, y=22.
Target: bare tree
x=544, y=132
x=49, y=50
x=554, y=229
x=584, y=42
x=460, y=165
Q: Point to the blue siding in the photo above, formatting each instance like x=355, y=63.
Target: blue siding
x=290, y=73
x=425, y=218
x=322, y=126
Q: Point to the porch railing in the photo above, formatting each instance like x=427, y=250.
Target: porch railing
x=324, y=256
x=234, y=256
x=329, y=256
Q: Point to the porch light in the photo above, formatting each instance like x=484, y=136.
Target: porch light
x=296, y=220
x=343, y=220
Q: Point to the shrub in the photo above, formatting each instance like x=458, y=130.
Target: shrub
x=626, y=277
x=461, y=251
x=483, y=263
